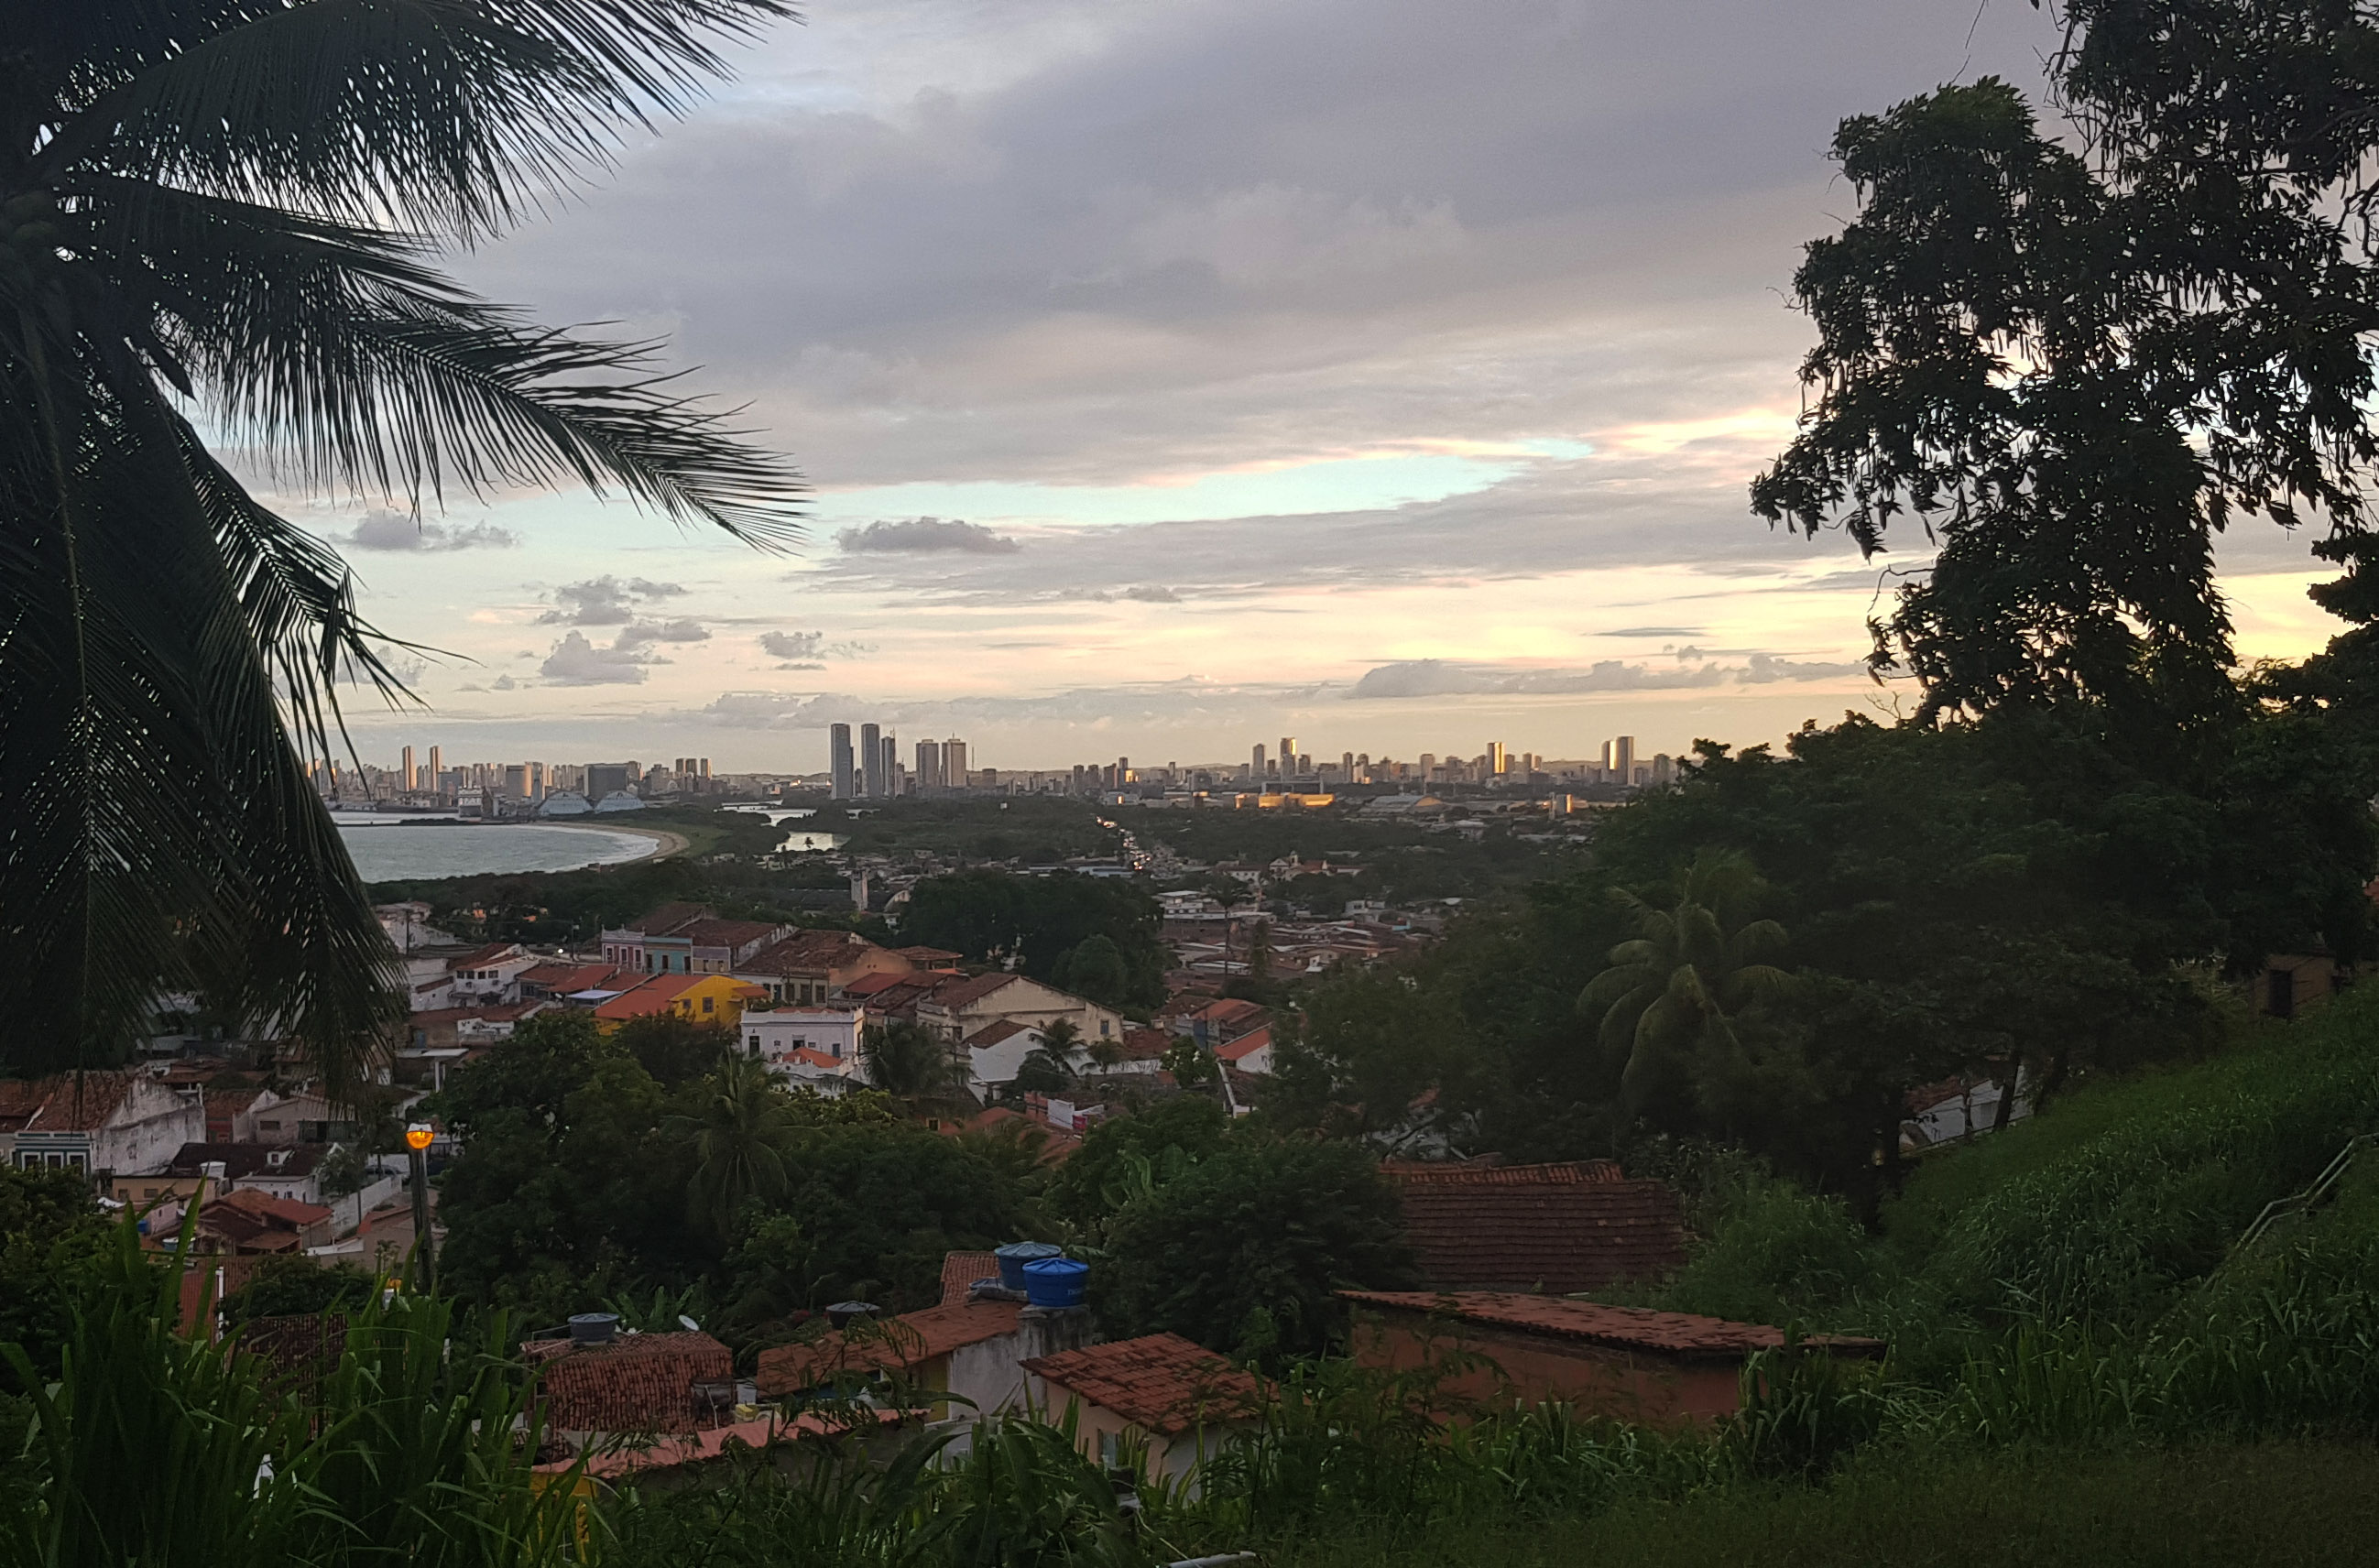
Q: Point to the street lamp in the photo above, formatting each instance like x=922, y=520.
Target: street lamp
x=416, y=1139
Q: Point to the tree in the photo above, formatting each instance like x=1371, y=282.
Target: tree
x=1094, y=968
x=742, y=1136
x=1666, y=996
x=51, y=1236
x=1083, y=1190
x=2074, y=367
x=217, y=213
x=1245, y=1250
x=908, y=1061
x=291, y=1286
x=674, y=1049
x=992, y=916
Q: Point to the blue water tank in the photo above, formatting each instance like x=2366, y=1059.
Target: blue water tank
x=1016, y=1254
x=1055, y=1282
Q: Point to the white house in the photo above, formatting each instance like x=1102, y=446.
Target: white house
x=1251, y=1052
x=808, y=1045
x=274, y=1117
x=961, y=1007
x=490, y=973
x=997, y=1051
x=100, y=1121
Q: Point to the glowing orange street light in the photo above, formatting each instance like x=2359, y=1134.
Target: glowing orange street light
x=418, y=1136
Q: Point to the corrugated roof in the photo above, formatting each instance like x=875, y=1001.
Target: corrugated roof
x=1559, y=1228
x=638, y=1382
x=910, y=1340
x=1681, y=1334
x=1162, y=1383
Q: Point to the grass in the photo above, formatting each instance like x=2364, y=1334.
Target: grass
x=2308, y=1505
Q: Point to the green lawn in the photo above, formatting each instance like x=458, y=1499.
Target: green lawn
x=2306, y=1505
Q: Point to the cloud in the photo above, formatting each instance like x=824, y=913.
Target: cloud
x=574, y=661
x=1440, y=678
x=920, y=534
x=605, y=601
x=636, y=634
x=395, y=531
x=792, y=645
x=1192, y=704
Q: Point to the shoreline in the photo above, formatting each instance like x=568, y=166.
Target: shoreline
x=665, y=842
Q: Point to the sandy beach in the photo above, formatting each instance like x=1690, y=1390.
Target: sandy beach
x=666, y=843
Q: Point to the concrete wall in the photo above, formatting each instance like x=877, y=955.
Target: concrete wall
x=1540, y=1368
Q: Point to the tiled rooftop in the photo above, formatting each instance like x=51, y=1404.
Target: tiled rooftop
x=1558, y=1228
x=910, y=1340
x=959, y=990
x=1162, y=1384
x=804, y=952
x=1679, y=1335
x=960, y=1270
x=638, y=1382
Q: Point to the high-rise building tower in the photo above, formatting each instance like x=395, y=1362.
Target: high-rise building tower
x=536, y=782
x=1619, y=760
x=871, y=761
x=954, y=763
x=1499, y=761
x=1287, y=755
x=405, y=774
x=888, y=766
x=1256, y=768
x=436, y=783
x=838, y=759
x=929, y=766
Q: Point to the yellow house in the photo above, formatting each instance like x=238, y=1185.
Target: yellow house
x=702, y=998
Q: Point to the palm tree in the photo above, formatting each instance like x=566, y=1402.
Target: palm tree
x=740, y=1137
x=907, y=1062
x=1668, y=989
x=215, y=217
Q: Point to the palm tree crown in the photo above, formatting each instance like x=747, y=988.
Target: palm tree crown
x=215, y=222
x=1669, y=990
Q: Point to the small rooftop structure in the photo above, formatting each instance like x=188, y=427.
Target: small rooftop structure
x=1162, y=1383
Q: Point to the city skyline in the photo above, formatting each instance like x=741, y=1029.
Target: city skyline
x=1167, y=374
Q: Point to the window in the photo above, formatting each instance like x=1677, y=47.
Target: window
x=710, y=1004
x=756, y=1044
x=1110, y=1450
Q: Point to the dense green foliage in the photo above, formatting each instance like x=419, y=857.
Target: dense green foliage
x=51, y=1234
x=1243, y=1250
x=1096, y=936
x=586, y=1174
x=291, y=1285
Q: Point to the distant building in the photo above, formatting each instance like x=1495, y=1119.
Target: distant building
x=840, y=761
x=871, y=761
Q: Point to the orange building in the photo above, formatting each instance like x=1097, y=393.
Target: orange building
x=703, y=998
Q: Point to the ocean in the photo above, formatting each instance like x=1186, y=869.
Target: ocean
x=386, y=850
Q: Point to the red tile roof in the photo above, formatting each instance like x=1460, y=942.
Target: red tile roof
x=1163, y=1383
x=1246, y=1045
x=929, y=957
x=693, y=1448
x=479, y=958
x=1145, y=1044
x=246, y=1159
x=638, y=1382
x=667, y=918
x=1680, y=1334
x=562, y=979
x=957, y=992
x=724, y=932
x=960, y=1270
x=1561, y=1227
x=882, y=980
x=910, y=1340
x=76, y=1102
x=994, y=1033
x=280, y=1212
x=806, y=952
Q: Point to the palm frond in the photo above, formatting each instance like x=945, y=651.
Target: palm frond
x=444, y=114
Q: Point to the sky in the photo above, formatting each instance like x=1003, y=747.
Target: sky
x=1174, y=377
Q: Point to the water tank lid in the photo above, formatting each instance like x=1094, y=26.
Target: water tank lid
x=593, y=1328
x=1028, y=1251
x=1056, y=1267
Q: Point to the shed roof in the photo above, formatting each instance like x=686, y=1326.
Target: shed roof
x=1683, y=1335
x=1560, y=1227
x=960, y=1270
x=1162, y=1384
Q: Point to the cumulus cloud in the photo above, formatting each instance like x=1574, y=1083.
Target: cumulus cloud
x=1444, y=677
x=636, y=634
x=792, y=645
x=574, y=661
x=605, y=601
x=395, y=531
x=926, y=534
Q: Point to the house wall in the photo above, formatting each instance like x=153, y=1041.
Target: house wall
x=1655, y=1390
x=149, y=1129
x=835, y=1032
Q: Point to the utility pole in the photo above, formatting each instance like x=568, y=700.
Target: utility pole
x=416, y=1139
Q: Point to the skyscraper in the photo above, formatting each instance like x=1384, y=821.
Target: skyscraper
x=1256, y=768
x=436, y=783
x=1287, y=755
x=888, y=766
x=871, y=761
x=1499, y=761
x=838, y=759
x=929, y=766
x=1619, y=760
x=404, y=773
x=954, y=763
